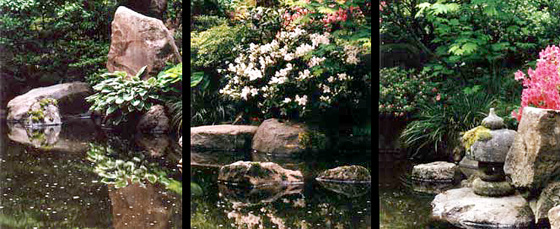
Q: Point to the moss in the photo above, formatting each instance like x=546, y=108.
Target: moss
x=479, y=133
x=312, y=140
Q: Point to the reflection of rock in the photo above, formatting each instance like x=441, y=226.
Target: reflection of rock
x=463, y=208
x=140, y=207
x=70, y=97
x=431, y=187
x=250, y=196
x=350, y=190
x=155, y=145
x=352, y=173
x=215, y=158
x=72, y=136
x=258, y=173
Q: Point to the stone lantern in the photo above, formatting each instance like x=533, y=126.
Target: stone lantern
x=490, y=152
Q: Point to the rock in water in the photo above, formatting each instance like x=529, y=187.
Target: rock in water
x=258, y=173
x=437, y=171
x=138, y=41
x=352, y=173
x=463, y=208
x=533, y=158
x=286, y=139
x=154, y=121
x=70, y=99
x=222, y=137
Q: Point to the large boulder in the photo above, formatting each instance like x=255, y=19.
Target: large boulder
x=222, y=137
x=533, y=158
x=258, y=174
x=437, y=171
x=463, y=208
x=285, y=138
x=154, y=121
x=70, y=99
x=351, y=173
x=554, y=217
x=138, y=41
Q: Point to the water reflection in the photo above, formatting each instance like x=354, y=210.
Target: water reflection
x=50, y=183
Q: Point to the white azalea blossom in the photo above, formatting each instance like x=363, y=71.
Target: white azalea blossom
x=287, y=100
x=318, y=39
x=314, y=61
x=254, y=92
x=246, y=90
x=301, y=100
x=303, y=49
x=330, y=79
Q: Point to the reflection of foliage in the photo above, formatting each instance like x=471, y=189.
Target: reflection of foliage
x=26, y=221
x=121, y=172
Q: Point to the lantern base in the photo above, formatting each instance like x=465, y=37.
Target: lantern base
x=486, y=188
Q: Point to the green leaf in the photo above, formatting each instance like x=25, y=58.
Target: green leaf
x=110, y=110
x=128, y=97
x=119, y=100
x=469, y=48
x=196, y=78
x=141, y=71
x=136, y=103
x=151, y=178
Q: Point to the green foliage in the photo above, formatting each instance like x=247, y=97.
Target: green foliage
x=473, y=135
x=214, y=46
x=122, y=172
x=117, y=97
x=121, y=96
x=401, y=92
x=437, y=127
x=204, y=22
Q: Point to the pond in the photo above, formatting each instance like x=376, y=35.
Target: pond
x=400, y=206
x=310, y=205
x=80, y=176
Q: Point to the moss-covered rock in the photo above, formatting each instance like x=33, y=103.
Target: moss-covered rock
x=258, y=173
x=351, y=173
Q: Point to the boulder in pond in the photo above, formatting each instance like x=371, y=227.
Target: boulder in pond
x=258, y=173
x=350, y=173
x=554, y=217
x=70, y=99
x=138, y=41
x=437, y=171
x=222, y=137
x=533, y=158
x=155, y=121
x=284, y=138
x=43, y=113
x=463, y=208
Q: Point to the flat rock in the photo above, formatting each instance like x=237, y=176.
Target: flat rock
x=435, y=171
x=533, y=158
x=463, y=208
x=258, y=173
x=138, y=41
x=554, y=217
x=352, y=173
x=70, y=98
x=222, y=137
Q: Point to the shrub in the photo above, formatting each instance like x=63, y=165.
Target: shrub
x=541, y=86
x=296, y=73
x=401, y=92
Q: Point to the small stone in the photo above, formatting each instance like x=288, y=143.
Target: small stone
x=440, y=171
x=352, y=173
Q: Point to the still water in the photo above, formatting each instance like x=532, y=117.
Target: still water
x=80, y=176
x=400, y=206
x=310, y=205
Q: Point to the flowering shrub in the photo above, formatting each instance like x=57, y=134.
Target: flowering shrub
x=402, y=91
x=541, y=86
x=296, y=72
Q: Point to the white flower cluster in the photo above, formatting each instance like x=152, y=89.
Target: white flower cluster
x=351, y=53
x=271, y=75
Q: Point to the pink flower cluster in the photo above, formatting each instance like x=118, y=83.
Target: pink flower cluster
x=300, y=12
x=541, y=87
